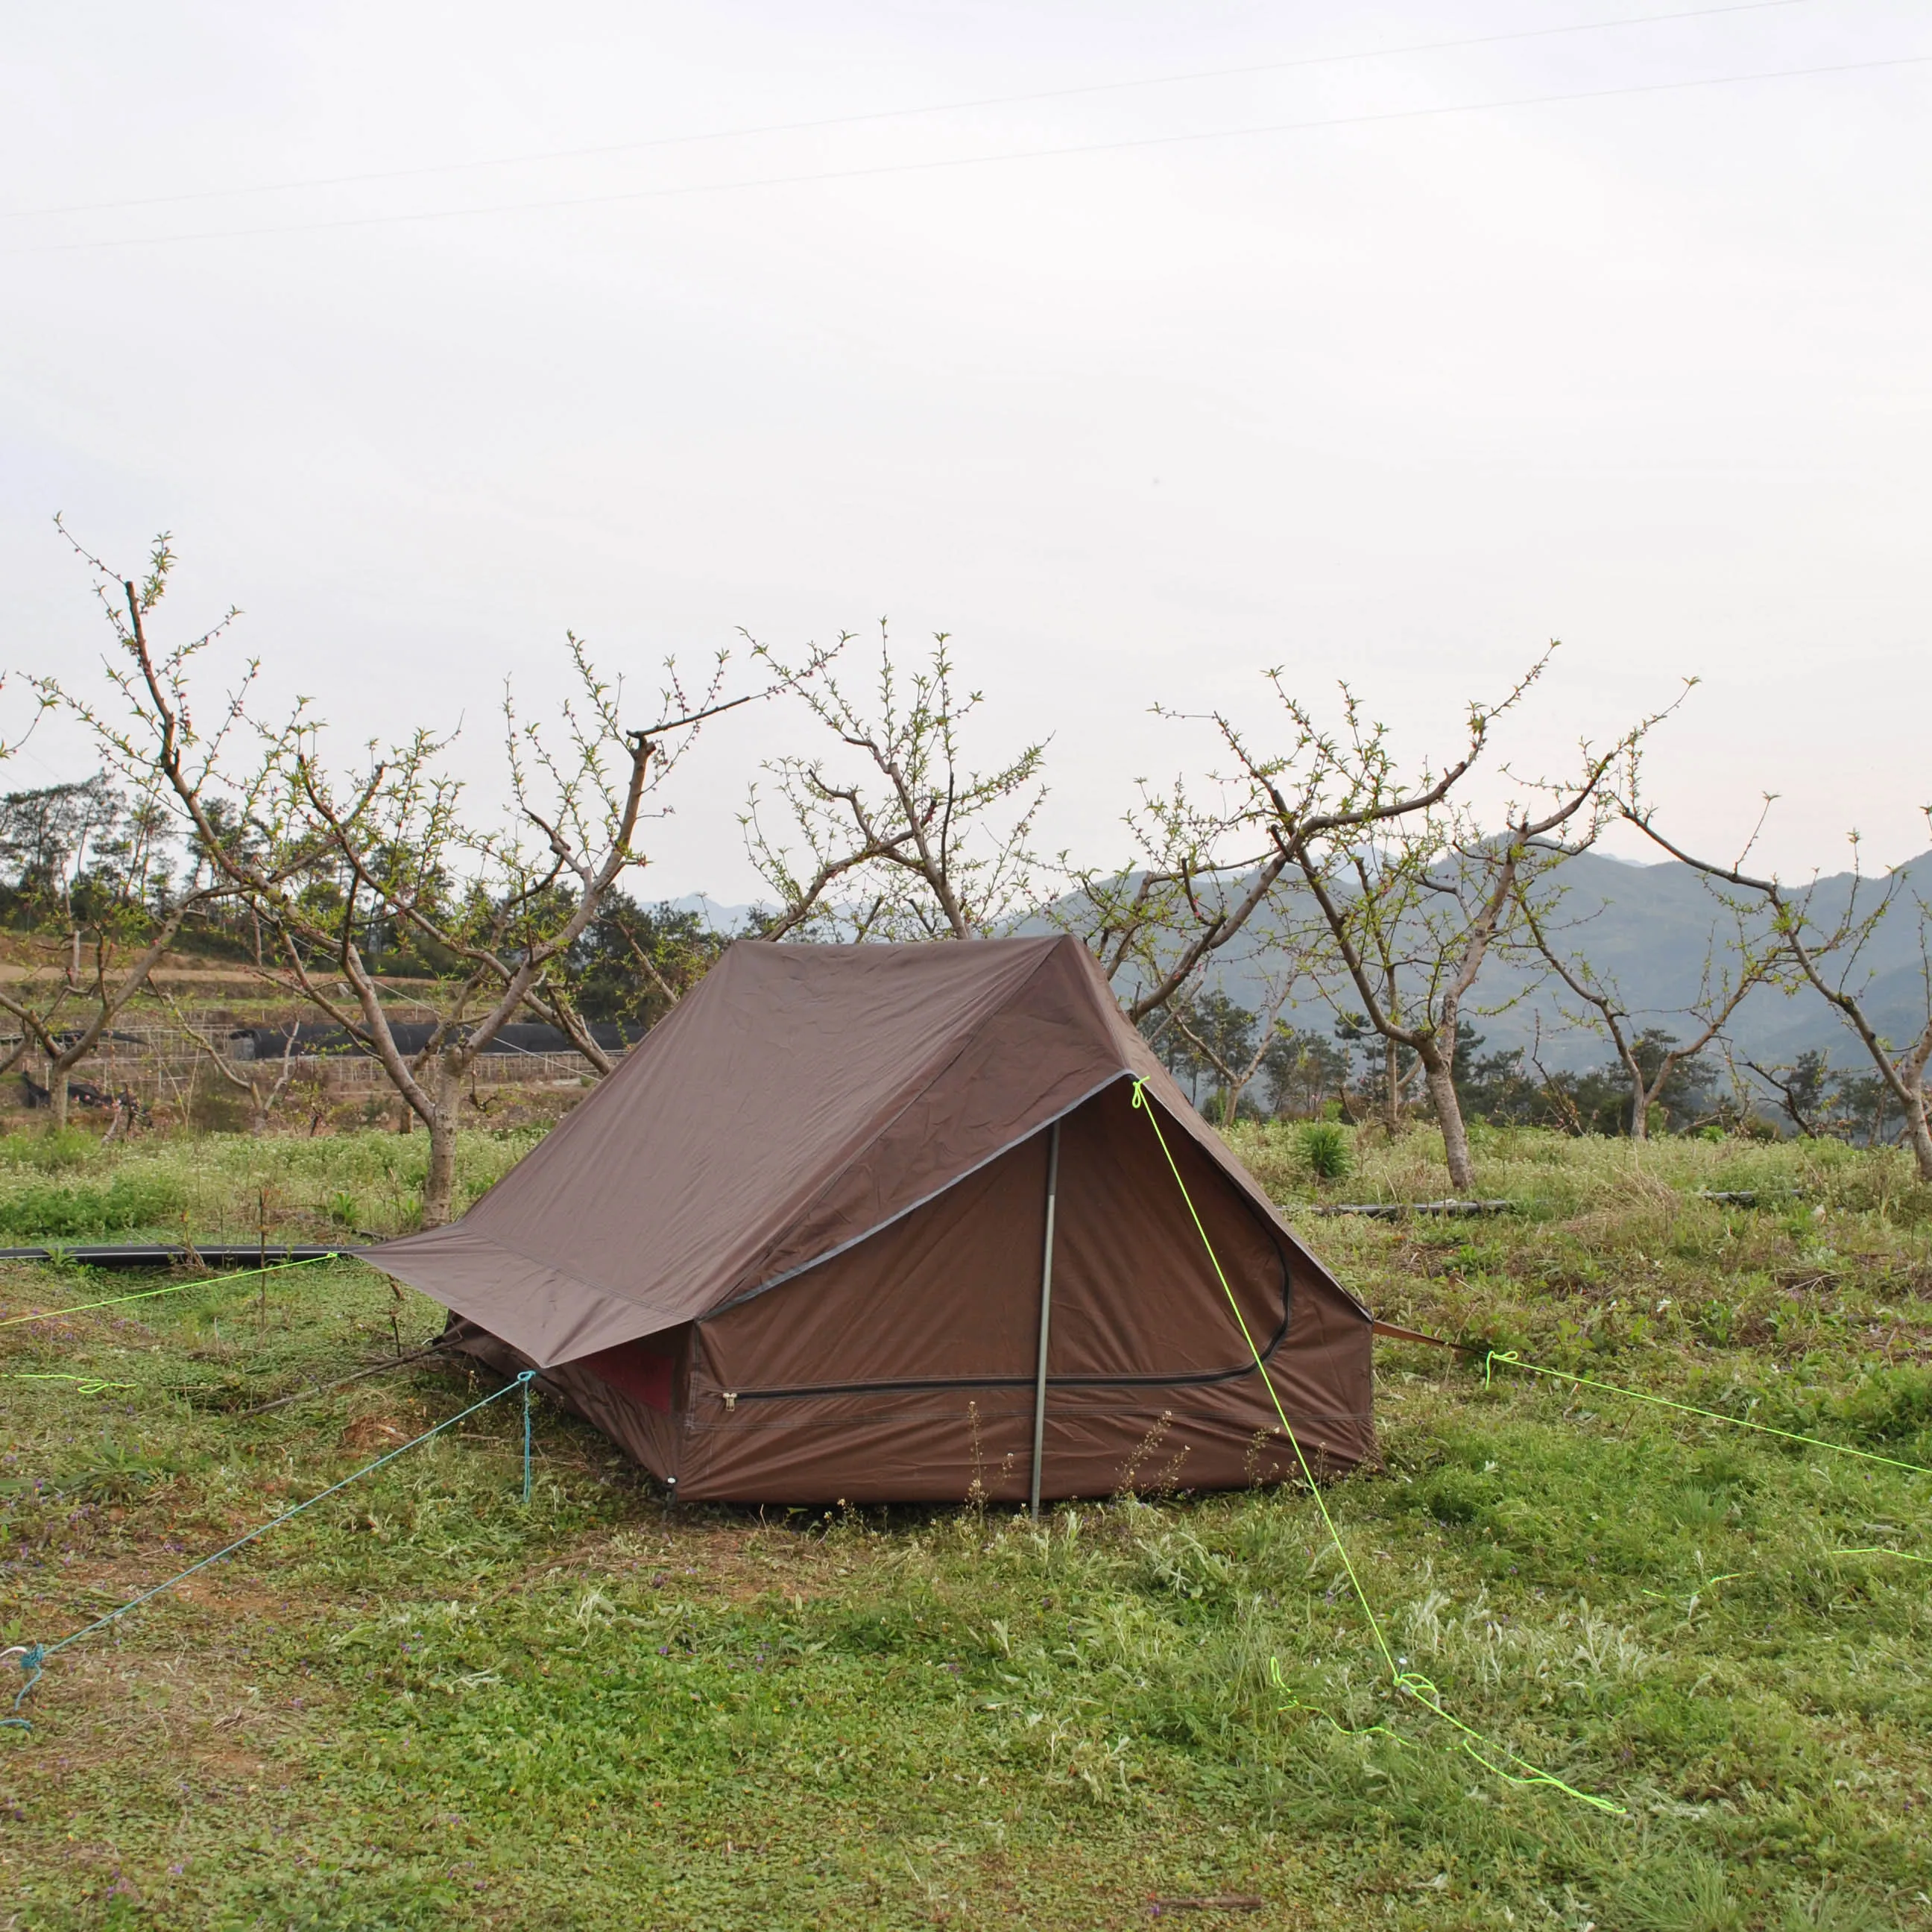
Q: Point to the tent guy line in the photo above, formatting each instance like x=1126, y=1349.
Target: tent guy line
x=1507, y=1358
x=1410, y=1684
x=537, y=156
x=32, y=1656
x=957, y=161
x=173, y=1288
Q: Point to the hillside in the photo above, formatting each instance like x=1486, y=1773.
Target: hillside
x=1649, y=928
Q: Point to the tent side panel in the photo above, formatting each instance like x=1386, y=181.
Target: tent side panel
x=947, y=1295
x=1140, y=1296
x=933, y=1447
x=1134, y=1291
x=1134, y=1256
x=903, y=1368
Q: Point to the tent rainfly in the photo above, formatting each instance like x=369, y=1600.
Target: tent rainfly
x=882, y=1223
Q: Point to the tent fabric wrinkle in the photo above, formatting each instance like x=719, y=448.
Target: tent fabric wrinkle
x=791, y=1249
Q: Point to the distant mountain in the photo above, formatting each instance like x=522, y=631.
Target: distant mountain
x=720, y=918
x=1649, y=928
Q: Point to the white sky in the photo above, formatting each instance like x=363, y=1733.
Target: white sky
x=1396, y=399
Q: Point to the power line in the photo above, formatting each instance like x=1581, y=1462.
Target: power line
x=899, y=113
x=976, y=161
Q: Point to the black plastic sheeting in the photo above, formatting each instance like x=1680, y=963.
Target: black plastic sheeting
x=217, y=1254
x=1394, y=1211
x=319, y=1037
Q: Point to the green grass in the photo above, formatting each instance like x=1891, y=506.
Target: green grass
x=421, y=1705
x=220, y=1186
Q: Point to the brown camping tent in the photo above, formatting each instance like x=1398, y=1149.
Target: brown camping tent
x=796, y=1248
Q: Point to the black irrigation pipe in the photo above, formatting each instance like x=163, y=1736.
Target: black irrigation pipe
x=1393, y=1210
x=217, y=1254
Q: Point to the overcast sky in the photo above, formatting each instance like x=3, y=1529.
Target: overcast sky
x=1132, y=402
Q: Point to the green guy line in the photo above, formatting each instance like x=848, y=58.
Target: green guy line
x=84, y=1384
x=1410, y=1683
x=1509, y=1359
x=173, y=1288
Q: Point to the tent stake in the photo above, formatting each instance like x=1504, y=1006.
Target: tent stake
x=1045, y=1314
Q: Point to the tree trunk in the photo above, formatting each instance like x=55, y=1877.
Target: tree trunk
x=1391, y=1088
x=56, y=1096
x=439, y=1184
x=1442, y=1077
x=1917, y=1128
x=1640, y=1120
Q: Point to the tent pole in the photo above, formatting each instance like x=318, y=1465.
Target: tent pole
x=1045, y=1314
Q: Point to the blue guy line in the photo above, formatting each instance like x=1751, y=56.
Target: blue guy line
x=32, y=1656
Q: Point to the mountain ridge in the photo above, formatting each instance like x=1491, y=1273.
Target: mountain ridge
x=1648, y=928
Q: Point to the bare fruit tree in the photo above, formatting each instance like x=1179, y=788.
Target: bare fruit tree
x=1412, y=894
x=1157, y=925
x=1803, y=1091
x=1237, y=1055
x=894, y=837
x=1411, y=925
x=265, y=1083
x=347, y=865
x=1829, y=952
x=97, y=867
x=66, y=1015
x=1731, y=970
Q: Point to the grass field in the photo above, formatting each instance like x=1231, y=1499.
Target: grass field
x=423, y=1704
